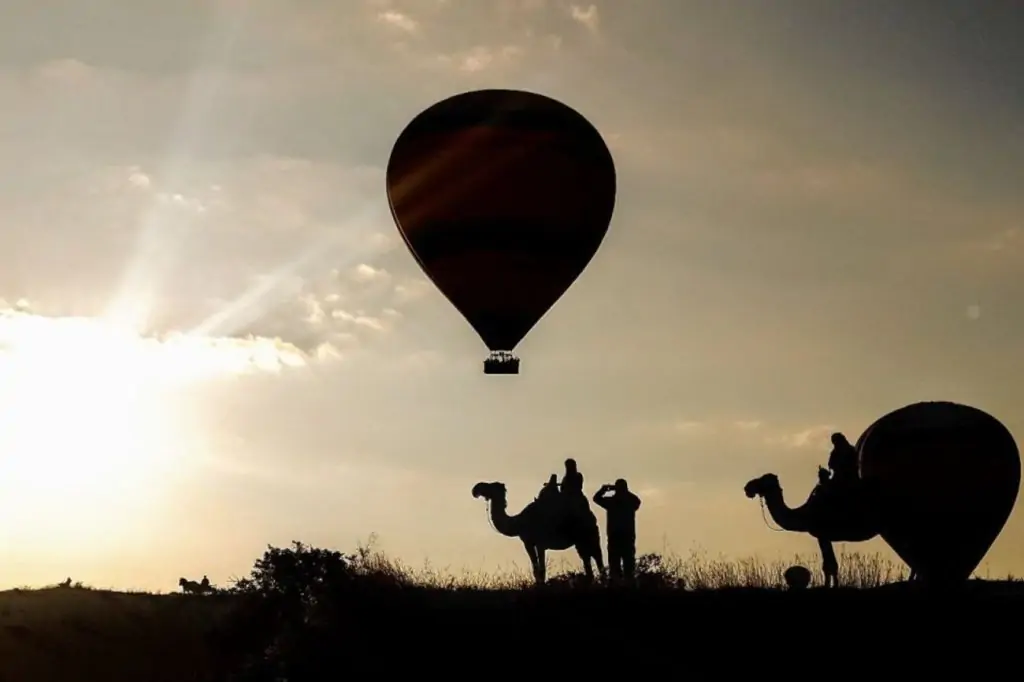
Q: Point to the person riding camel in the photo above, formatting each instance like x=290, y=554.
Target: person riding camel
x=843, y=461
x=572, y=490
x=842, y=476
x=549, y=493
x=572, y=480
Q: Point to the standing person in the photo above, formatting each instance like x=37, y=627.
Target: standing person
x=621, y=527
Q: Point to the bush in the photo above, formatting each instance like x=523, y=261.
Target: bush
x=306, y=610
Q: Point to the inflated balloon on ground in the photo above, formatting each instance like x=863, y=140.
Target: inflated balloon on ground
x=947, y=476
x=503, y=197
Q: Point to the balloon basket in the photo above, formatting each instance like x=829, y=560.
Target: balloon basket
x=501, y=362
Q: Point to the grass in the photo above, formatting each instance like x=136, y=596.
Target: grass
x=698, y=571
x=79, y=633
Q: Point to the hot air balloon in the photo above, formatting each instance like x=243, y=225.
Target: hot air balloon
x=503, y=197
x=947, y=477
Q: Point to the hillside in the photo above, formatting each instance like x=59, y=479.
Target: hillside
x=81, y=634
x=67, y=634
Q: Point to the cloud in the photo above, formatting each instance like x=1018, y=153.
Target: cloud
x=692, y=427
x=399, y=20
x=482, y=57
x=587, y=16
x=367, y=273
x=752, y=432
x=411, y=290
x=29, y=342
x=259, y=248
x=651, y=495
x=717, y=427
x=810, y=438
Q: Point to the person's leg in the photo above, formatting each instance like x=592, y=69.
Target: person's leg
x=629, y=560
x=614, y=562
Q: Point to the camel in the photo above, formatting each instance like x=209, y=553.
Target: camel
x=538, y=534
x=826, y=521
x=192, y=587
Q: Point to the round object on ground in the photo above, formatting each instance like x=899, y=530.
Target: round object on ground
x=797, y=577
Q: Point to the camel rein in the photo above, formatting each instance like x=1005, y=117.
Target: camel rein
x=489, y=521
x=764, y=515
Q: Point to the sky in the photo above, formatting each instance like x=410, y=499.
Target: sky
x=212, y=338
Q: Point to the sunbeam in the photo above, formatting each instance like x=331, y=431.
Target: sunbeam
x=274, y=287
x=159, y=240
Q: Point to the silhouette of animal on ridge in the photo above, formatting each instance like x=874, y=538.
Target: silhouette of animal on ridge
x=825, y=518
x=193, y=587
x=543, y=526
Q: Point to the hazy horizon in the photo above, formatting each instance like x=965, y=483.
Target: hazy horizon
x=212, y=338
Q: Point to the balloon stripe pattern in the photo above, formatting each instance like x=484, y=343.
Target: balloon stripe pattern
x=503, y=197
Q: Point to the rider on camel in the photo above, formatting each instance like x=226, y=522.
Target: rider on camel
x=572, y=489
x=843, y=461
x=842, y=475
x=549, y=493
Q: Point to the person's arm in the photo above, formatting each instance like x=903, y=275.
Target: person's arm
x=599, y=499
x=635, y=502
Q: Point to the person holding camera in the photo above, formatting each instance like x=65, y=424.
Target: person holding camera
x=621, y=527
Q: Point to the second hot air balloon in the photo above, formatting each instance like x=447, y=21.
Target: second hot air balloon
x=947, y=476
x=503, y=197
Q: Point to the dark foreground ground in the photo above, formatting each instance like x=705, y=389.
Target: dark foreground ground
x=68, y=634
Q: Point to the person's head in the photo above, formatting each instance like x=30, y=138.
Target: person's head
x=620, y=486
x=570, y=464
x=839, y=440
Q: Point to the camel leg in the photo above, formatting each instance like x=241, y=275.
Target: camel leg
x=829, y=563
x=599, y=556
x=594, y=547
x=588, y=568
x=542, y=564
x=531, y=551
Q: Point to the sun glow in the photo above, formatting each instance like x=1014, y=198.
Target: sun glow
x=88, y=428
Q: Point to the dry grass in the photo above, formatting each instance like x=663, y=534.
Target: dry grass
x=698, y=571
x=71, y=634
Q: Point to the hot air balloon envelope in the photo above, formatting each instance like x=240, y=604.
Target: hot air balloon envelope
x=503, y=197
x=947, y=476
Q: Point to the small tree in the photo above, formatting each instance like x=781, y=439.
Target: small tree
x=653, y=572
x=290, y=588
x=297, y=573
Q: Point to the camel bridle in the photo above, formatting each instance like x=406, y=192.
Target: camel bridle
x=764, y=513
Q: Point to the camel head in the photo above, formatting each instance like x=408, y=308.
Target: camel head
x=761, y=486
x=490, y=491
x=182, y=582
